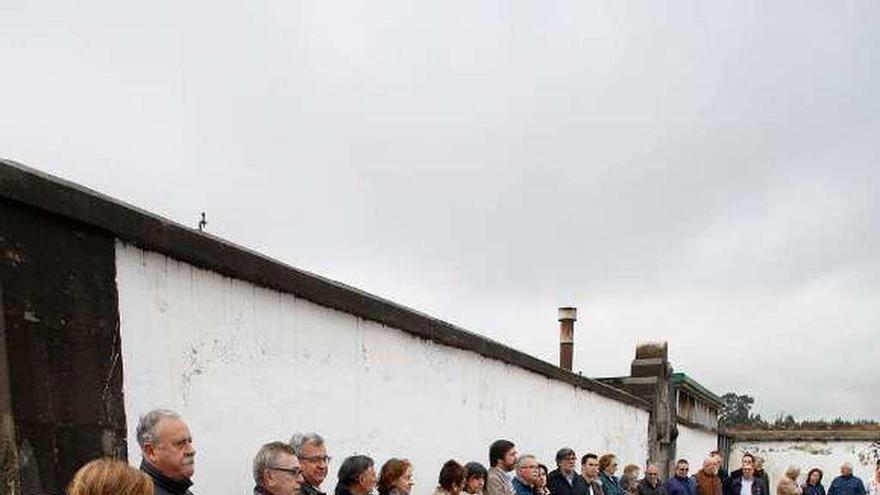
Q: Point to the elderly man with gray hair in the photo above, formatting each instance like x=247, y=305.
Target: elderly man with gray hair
x=313, y=459
x=276, y=470
x=846, y=483
x=168, y=453
x=526, y=474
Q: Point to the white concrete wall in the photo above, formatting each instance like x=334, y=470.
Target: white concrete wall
x=694, y=445
x=827, y=456
x=246, y=365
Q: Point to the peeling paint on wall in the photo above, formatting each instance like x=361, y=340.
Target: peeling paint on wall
x=247, y=365
x=826, y=455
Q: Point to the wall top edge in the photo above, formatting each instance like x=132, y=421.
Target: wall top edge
x=23, y=185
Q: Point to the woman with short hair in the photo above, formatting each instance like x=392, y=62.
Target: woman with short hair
x=788, y=484
x=607, y=468
x=630, y=479
x=110, y=477
x=396, y=477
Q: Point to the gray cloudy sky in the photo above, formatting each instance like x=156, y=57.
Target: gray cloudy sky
x=701, y=172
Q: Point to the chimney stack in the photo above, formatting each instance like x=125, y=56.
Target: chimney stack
x=567, y=317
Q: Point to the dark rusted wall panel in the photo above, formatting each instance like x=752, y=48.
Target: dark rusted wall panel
x=62, y=336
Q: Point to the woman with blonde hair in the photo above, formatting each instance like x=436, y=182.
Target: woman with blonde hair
x=110, y=477
x=788, y=484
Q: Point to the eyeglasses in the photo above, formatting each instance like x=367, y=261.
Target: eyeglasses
x=316, y=458
x=293, y=471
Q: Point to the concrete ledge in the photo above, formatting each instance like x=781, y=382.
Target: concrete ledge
x=801, y=435
x=25, y=186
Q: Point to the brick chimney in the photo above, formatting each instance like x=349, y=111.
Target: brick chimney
x=567, y=317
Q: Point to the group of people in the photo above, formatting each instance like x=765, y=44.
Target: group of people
x=300, y=466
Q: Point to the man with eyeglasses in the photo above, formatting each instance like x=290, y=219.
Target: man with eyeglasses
x=277, y=470
x=526, y=473
x=650, y=484
x=313, y=459
x=680, y=483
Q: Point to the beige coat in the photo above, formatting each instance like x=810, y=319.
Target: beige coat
x=787, y=486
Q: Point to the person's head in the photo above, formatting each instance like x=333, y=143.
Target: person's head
x=358, y=474
x=681, y=468
x=167, y=444
x=312, y=455
x=792, y=473
x=527, y=469
x=276, y=469
x=451, y=478
x=502, y=454
x=632, y=470
x=541, y=479
x=710, y=467
x=748, y=470
x=759, y=463
x=396, y=474
x=652, y=474
x=877, y=470
x=718, y=456
x=475, y=477
x=608, y=464
x=566, y=459
x=110, y=477
x=814, y=477
x=748, y=459
x=846, y=469
x=590, y=466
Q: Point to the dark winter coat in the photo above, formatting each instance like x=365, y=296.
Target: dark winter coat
x=645, y=488
x=759, y=487
x=163, y=485
x=558, y=485
x=682, y=486
x=847, y=485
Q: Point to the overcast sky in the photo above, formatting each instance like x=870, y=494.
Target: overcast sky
x=704, y=173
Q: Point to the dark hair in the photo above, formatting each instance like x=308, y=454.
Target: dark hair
x=563, y=453
x=498, y=450
x=587, y=457
x=605, y=461
x=817, y=470
x=750, y=456
x=682, y=461
x=451, y=474
x=391, y=471
x=351, y=469
x=475, y=470
x=546, y=471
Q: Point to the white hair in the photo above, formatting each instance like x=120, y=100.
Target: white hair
x=147, y=426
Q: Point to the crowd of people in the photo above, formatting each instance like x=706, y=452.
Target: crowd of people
x=300, y=467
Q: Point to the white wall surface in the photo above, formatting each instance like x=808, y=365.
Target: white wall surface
x=827, y=456
x=694, y=445
x=246, y=365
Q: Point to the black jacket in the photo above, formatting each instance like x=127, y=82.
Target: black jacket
x=759, y=487
x=558, y=485
x=646, y=489
x=163, y=485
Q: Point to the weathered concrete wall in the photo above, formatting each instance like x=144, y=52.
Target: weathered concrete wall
x=825, y=455
x=694, y=444
x=62, y=344
x=247, y=365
